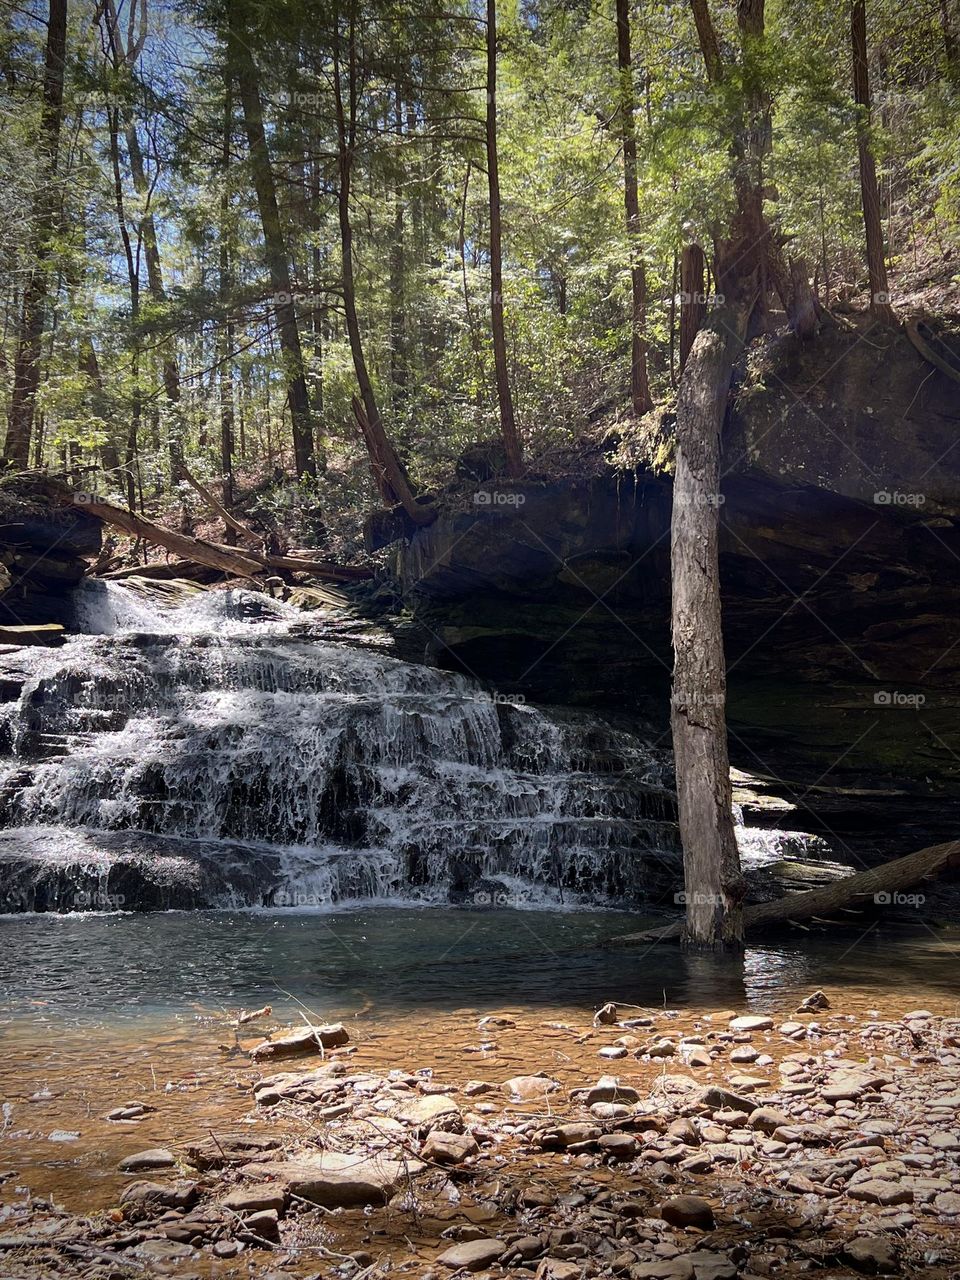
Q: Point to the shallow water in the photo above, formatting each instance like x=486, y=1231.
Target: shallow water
x=98, y=1010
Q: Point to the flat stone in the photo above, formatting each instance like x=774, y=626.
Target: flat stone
x=337, y=1179
x=873, y=1255
x=163, y=1251
x=767, y=1119
x=256, y=1198
x=688, y=1211
x=473, y=1255
x=527, y=1088
x=558, y=1269
x=303, y=1040
x=672, y=1269
x=613, y=1051
x=147, y=1197
x=712, y=1266
x=876, y=1191
x=155, y=1158
x=436, y=1110
x=751, y=1022
x=449, y=1148
x=619, y=1146
x=567, y=1135
x=607, y=1089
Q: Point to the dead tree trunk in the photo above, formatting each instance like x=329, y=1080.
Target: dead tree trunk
x=869, y=191
x=639, y=383
x=508, y=423
x=26, y=369
x=878, y=885
x=711, y=860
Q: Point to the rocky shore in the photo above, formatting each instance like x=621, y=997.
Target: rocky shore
x=652, y=1145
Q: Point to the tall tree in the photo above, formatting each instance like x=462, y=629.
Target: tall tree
x=508, y=424
x=712, y=878
x=869, y=190
x=26, y=373
x=246, y=76
x=639, y=384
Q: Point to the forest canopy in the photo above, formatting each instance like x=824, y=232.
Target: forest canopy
x=247, y=237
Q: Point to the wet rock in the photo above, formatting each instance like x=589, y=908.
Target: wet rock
x=337, y=1179
x=845, y=1086
x=141, y=1199
x=255, y=1198
x=661, y=1049
x=606, y=1015
x=688, y=1211
x=566, y=1135
x=873, y=1255
x=607, y=1089
x=225, y=1149
x=613, y=1051
x=302, y=1041
x=449, y=1148
x=129, y=1111
x=155, y=1158
x=226, y=1249
x=814, y=1003
x=474, y=1255
x=474, y=1088
x=745, y=1054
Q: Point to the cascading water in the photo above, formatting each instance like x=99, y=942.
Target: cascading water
x=220, y=754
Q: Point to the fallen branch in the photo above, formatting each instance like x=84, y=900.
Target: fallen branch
x=924, y=348
x=887, y=879
x=230, y=521
x=236, y=563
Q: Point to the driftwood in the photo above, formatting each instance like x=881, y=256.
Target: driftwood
x=237, y=563
x=886, y=880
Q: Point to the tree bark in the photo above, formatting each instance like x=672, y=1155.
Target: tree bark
x=711, y=860
x=246, y=77
x=869, y=192
x=508, y=425
x=26, y=370
x=692, y=298
x=879, y=884
x=639, y=384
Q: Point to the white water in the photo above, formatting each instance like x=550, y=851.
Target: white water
x=231, y=759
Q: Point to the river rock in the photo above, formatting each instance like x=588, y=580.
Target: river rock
x=435, y=1111
x=767, y=1119
x=618, y=1146
x=303, y=1040
x=155, y=1158
x=337, y=1179
x=140, y=1199
x=607, y=1089
x=751, y=1022
x=474, y=1255
x=814, y=1003
x=224, y=1149
x=529, y=1088
x=255, y=1198
x=557, y=1269
x=566, y=1135
x=688, y=1211
x=876, y=1191
x=873, y=1255
x=680, y=1268
x=606, y=1015
x=449, y=1148
x=712, y=1266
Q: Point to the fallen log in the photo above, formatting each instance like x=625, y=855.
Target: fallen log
x=236, y=563
x=916, y=331
x=879, y=883
x=216, y=506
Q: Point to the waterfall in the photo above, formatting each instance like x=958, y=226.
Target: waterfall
x=221, y=754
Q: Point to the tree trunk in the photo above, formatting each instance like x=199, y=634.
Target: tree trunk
x=389, y=474
x=711, y=860
x=508, y=425
x=26, y=372
x=639, y=384
x=398, y=319
x=246, y=77
x=869, y=192
x=692, y=298
x=225, y=372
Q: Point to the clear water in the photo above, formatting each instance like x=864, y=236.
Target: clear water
x=386, y=960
